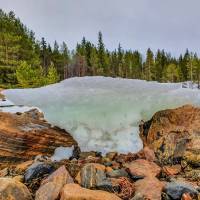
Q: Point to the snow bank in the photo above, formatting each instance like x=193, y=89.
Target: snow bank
x=102, y=113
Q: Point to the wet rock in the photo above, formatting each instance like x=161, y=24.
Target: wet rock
x=173, y=134
x=172, y=170
x=176, y=189
x=23, y=138
x=34, y=113
x=38, y=169
x=117, y=173
x=148, y=188
x=75, y=192
x=142, y=168
x=11, y=189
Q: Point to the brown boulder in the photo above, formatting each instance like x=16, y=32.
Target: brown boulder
x=149, y=188
x=22, y=138
x=143, y=168
x=75, y=192
x=12, y=189
x=147, y=154
x=51, y=186
x=174, y=134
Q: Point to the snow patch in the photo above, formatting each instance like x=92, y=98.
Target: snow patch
x=103, y=114
x=62, y=153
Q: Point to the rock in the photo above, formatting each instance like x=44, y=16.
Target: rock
x=23, y=166
x=172, y=170
x=60, y=176
x=176, y=189
x=147, y=154
x=34, y=113
x=49, y=191
x=142, y=168
x=4, y=172
x=37, y=170
x=173, y=134
x=11, y=189
x=148, y=188
x=51, y=186
x=117, y=173
x=122, y=158
x=93, y=176
x=19, y=178
x=186, y=196
x=23, y=138
x=75, y=192
x=111, y=155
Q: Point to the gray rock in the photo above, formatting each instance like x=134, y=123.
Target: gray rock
x=37, y=170
x=117, y=173
x=176, y=189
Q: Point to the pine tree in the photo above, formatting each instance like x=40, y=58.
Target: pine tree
x=149, y=64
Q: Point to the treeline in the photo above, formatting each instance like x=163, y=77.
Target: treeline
x=27, y=62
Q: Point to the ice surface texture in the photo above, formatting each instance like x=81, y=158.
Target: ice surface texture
x=102, y=113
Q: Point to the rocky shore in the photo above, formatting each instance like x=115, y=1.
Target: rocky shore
x=168, y=167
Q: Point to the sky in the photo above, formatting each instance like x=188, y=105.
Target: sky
x=172, y=25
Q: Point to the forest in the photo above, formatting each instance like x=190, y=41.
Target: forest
x=28, y=62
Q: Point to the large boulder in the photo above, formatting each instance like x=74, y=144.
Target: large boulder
x=12, y=189
x=75, y=192
x=142, y=168
x=174, y=134
x=23, y=137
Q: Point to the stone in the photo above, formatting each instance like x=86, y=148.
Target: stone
x=23, y=166
x=111, y=155
x=172, y=170
x=48, y=191
x=37, y=170
x=148, y=188
x=173, y=134
x=75, y=192
x=117, y=173
x=11, y=189
x=4, y=172
x=60, y=176
x=186, y=196
x=19, y=178
x=23, y=138
x=147, y=154
x=142, y=168
x=176, y=189
x=93, y=176
x=52, y=185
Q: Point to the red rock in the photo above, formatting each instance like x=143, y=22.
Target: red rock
x=172, y=170
x=149, y=188
x=143, y=168
x=75, y=192
x=186, y=196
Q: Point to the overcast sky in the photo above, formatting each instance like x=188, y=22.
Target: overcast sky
x=137, y=24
